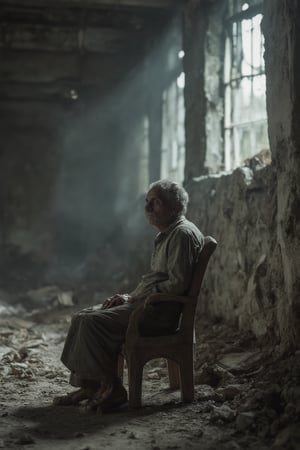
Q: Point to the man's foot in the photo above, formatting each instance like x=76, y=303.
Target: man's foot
x=106, y=399
x=98, y=396
x=117, y=398
x=73, y=398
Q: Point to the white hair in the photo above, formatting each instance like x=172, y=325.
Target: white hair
x=172, y=193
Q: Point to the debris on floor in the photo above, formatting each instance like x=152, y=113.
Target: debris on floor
x=245, y=395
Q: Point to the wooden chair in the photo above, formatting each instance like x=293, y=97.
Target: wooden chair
x=177, y=348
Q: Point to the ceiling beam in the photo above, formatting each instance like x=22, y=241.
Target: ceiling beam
x=94, y=4
x=70, y=16
x=99, y=40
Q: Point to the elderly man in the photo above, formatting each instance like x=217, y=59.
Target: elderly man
x=97, y=333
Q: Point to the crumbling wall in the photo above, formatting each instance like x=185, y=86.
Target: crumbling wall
x=253, y=278
x=237, y=209
x=214, y=90
x=282, y=33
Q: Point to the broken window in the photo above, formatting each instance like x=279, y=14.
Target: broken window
x=245, y=116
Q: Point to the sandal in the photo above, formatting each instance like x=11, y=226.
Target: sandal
x=101, y=405
x=114, y=402
x=93, y=404
x=71, y=399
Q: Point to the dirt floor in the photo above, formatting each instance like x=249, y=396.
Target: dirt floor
x=246, y=396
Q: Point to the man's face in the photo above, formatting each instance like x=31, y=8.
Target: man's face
x=157, y=212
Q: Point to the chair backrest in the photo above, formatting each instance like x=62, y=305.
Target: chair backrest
x=186, y=328
x=209, y=247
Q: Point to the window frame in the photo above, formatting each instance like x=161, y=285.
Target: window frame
x=232, y=48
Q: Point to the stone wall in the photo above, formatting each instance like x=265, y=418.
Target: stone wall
x=237, y=210
x=254, y=276
x=282, y=33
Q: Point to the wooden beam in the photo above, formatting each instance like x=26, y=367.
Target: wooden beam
x=67, y=39
x=94, y=4
x=68, y=16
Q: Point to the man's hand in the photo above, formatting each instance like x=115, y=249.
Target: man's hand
x=116, y=300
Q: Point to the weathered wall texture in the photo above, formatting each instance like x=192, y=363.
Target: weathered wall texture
x=282, y=31
x=195, y=28
x=237, y=209
x=214, y=91
x=254, y=277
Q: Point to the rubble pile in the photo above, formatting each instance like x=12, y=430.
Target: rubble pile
x=246, y=395
x=255, y=391
x=21, y=353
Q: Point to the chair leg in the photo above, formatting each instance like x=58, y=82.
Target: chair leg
x=121, y=366
x=135, y=377
x=187, y=376
x=174, y=378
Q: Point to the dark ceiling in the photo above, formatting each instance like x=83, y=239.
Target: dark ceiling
x=47, y=44
x=91, y=26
